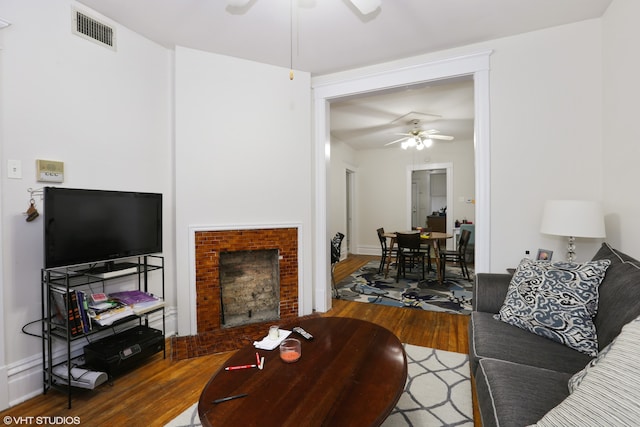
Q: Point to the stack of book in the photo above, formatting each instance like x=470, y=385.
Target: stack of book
x=140, y=302
x=70, y=309
x=79, y=312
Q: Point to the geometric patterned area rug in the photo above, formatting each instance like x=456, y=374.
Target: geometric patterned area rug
x=437, y=392
x=454, y=295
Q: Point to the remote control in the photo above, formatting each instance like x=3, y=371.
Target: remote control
x=302, y=332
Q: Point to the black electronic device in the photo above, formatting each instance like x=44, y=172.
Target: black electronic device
x=91, y=226
x=117, y=353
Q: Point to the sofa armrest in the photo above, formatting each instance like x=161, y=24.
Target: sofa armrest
x=490, y=291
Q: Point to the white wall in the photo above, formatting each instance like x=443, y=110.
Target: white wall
x=621, y=147
x=243, y=154
x=546, y=132
x=105, y=114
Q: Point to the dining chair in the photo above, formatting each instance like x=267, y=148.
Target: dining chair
x=471, y=245
x=386, y=251
x=409, y=253
x=457, y=255
x=336, y=247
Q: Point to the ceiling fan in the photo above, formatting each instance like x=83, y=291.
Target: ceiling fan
x=419, y=138
x=364, y=6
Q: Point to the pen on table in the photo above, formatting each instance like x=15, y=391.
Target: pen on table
x=224, y=399
x=233, y=368
x=258, y=359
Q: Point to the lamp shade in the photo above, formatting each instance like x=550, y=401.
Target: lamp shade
x=573, y=218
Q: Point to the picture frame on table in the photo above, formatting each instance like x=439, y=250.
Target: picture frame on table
x=544, y=255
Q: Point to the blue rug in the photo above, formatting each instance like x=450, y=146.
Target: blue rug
x=454, y=295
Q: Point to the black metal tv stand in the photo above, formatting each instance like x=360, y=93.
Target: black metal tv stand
x=60, y=290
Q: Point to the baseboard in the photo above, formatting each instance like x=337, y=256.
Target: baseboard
x=4, y=389
x=25, y=379
x=369, y=250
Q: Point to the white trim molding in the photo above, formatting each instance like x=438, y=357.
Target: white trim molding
x=331, y=88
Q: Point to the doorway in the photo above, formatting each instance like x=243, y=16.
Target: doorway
x=428, y=196
x=327, y=90
x=437, y=195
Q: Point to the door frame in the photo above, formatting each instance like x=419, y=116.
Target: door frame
x=350, y=205
x=357, y=82
x=414, y=202
x=448, y=167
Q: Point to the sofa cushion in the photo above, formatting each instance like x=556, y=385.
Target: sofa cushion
x=609, y=392
x=517, y=395
x=556, y=300
x=491, y=338
x=619, y=301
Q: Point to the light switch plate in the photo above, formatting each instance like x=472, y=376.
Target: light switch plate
x=14, y=169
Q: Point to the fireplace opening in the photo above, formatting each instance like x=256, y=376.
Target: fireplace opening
x=249, y=287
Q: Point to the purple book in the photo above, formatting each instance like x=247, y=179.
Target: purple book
x=132, y=297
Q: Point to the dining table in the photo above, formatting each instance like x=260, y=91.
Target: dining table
x=434, y=239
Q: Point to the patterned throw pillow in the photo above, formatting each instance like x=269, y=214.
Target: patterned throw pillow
x=556, y=300
x=609, y=392
x=576, y=379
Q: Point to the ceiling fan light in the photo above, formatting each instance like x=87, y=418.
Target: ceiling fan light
x=404, y=145
x=411, y=142
x=428, y=142
x=420, y=146
x=366, y=6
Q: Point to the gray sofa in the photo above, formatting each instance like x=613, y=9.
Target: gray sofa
x=520, y=376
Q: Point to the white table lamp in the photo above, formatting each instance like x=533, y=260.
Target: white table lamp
x=573, y=218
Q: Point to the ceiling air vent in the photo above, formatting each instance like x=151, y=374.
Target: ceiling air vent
x=91, y=29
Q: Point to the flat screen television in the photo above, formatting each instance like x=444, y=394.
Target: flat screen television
x=94, y=226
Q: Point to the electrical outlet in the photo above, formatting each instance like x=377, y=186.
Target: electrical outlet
x=14, y=169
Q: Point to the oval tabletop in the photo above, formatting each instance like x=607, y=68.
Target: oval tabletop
x=352, y=373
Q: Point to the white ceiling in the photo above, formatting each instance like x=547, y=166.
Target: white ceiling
x=331, y=35
x=327, y=36
x=373, y=121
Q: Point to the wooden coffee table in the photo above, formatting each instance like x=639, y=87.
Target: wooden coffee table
x=352, y=373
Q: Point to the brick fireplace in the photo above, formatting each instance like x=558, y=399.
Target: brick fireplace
x=211, y=336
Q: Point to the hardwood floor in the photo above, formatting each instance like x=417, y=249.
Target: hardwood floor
x=161, y=389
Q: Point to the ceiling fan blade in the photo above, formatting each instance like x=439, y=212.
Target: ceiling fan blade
x=366, y=6
x=238, y=3
x=397, y=140
x=442, y=137
x=415, y=117
x=360, y=132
